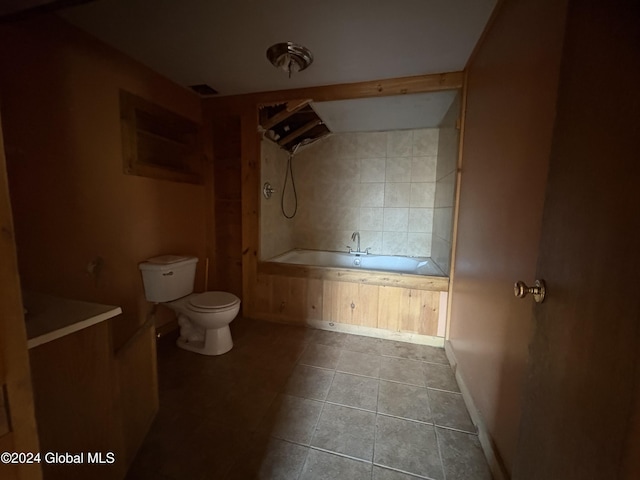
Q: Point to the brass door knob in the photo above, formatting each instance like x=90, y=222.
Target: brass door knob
x=538, y=291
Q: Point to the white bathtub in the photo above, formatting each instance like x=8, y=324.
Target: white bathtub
x=383, y=263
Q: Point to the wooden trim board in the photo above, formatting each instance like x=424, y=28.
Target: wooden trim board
x=345, y=91
x=417, y=282
x=486, y=442
x=414, y=338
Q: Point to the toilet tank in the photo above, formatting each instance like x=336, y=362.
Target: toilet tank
x=168, y=277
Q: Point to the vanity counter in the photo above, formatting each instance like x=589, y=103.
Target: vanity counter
x=49, y=317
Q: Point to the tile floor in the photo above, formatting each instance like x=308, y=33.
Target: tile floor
x=296, y=403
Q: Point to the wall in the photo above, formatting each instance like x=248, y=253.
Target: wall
x=446, y=168
x=511, y=97
x=275, y=229
x=225, y=271
x=381, y=184
x=71, y=201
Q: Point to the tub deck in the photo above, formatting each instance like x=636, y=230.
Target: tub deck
x=338, y=266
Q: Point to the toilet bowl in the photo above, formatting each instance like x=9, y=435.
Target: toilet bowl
x=204, y=320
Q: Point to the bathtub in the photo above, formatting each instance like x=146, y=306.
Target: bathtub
x=382, y=263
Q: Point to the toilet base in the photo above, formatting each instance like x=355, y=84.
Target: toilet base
x=216, y=342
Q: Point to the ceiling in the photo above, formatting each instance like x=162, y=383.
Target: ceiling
x=400, y=112
x=223, y=43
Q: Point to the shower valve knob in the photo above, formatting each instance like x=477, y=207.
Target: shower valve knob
x=539, y=290
x=268, y=190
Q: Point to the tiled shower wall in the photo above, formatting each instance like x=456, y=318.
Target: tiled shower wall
x=276, y=231
x=381, y=184
x=445, y=187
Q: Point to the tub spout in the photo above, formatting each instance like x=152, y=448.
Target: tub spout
x=355, y=236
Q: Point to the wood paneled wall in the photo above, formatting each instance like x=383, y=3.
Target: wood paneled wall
x=227, y=272
x=307, y=300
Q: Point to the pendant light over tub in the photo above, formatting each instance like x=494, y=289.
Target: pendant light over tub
x=289, y=56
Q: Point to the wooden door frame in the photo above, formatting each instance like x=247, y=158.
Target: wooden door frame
x=15, y=375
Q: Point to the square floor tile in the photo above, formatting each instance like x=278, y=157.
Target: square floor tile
x=408, y=446
x=309, y=382
x=325, y=466
x=403, y=371
x=462, y=456
x=423, y=353
x=358, y=343
x=267, y=379
x=427, y=353
x=329, y=338
x=317, y=355
x=407, y=401
x=359, y=363
x=241, y=407
x=296, y=334
x=354, y=391
x=346, y=430
x=441, y=377
x=284, y=350
x=188, y=459
x=270, y=458
x=449, y=410
x=292, y=418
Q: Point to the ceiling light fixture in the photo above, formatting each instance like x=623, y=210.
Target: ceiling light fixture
x=289, y=56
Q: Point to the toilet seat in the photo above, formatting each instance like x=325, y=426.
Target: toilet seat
x=212, y=301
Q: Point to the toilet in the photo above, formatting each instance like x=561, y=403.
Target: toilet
x=204, y=318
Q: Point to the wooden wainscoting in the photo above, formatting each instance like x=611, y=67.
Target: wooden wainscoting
x=364, y=302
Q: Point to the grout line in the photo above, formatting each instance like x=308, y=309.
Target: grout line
x=314, y=366
x=349, y=406
x=443, y=390
x=343, y=455
x=356, y=374
x=415, y=360
x=412, y=420
x=375, y=429
x=435, y=431
x=315, y=427
x=454, y=429
x=394, y=469
x=403, y=383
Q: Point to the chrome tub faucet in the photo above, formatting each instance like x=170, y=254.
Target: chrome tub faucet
x=356, y=238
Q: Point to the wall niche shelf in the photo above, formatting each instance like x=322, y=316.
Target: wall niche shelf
x=158, y=143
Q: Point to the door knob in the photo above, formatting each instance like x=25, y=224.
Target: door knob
x=538, y=291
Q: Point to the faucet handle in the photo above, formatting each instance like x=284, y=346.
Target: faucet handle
x=366, y=250
x=349, y=247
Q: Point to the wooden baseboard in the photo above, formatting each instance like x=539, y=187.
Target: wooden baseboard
x=488, y=446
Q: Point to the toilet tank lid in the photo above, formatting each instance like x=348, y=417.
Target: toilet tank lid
x=164, y=261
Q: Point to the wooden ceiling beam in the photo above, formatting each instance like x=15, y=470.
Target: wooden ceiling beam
x=301, y=131
x=292, y=107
